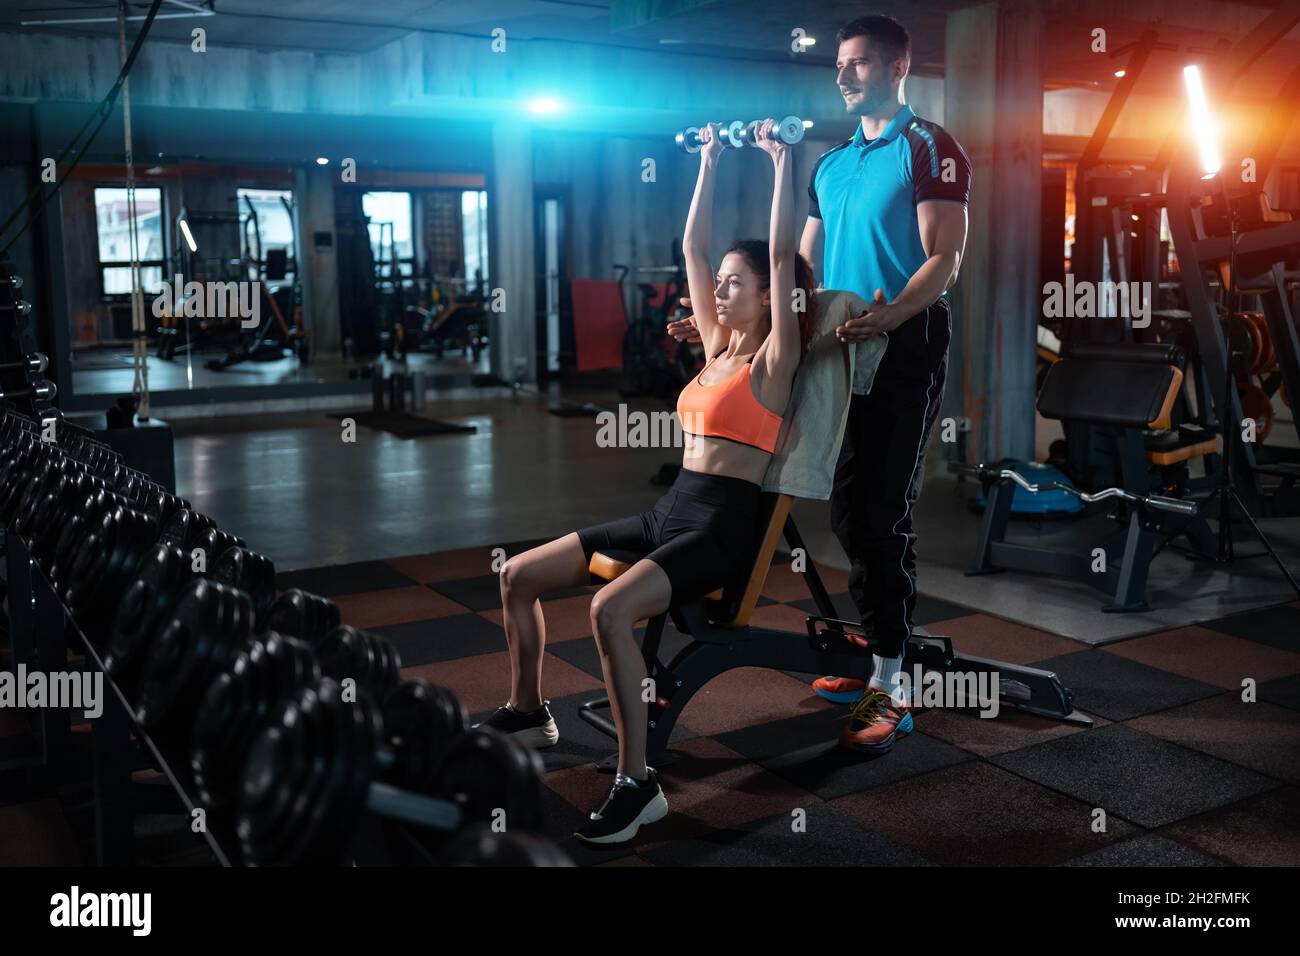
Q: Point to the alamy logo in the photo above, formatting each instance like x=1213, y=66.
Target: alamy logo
x=637, y=429
x=934, y=689
x=74, y=908
x=63, y=690
x=211, y=300
x=1096, y=300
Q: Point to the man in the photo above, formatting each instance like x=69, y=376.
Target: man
x=890, y=205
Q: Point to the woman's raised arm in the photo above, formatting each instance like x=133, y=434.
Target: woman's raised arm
x=782, y=348
x=700, y=278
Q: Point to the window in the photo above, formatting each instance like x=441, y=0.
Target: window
x=269, y=210
x=113, y=227
x=474, y=227
x=390, y=230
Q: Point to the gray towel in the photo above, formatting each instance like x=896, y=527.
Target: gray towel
x=809, y=443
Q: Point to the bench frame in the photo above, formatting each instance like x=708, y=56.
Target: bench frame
x=829, y=646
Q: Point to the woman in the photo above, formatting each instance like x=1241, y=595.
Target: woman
x=702, y=534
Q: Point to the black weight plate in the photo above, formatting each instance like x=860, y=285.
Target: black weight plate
x=420, y=722
x=303, y=615
x=248, y=571
x=483, y=771
x=202, y=634
x=358, y=730
x=285, y=774
x=269, y=668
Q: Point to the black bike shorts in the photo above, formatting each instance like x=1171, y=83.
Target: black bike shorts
x=703, y=533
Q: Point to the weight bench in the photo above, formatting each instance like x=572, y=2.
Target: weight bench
x=722, y=639
x=1132, y=388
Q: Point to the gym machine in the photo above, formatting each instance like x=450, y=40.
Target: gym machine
x=653, y=364
x=270, y=341
x=1104, y=381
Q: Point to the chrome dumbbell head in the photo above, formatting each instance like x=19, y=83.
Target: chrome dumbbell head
x=789, y=131
x=731, y=134
x=689, y=139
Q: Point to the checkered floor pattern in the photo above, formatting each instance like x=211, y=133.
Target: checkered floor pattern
x=1185, y=770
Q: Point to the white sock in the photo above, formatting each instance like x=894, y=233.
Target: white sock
x=884, y=676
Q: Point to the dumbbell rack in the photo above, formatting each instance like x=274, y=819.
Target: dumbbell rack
x=42, y=631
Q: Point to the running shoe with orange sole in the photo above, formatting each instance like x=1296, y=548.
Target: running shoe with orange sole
x=876, y=723
x=840, y=690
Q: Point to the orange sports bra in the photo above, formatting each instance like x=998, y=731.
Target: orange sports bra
x=728, y=410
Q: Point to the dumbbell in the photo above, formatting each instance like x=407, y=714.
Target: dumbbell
x=312, y=770
x=162, y=574
x=184, y=527
x=42, y=391
x=484, y=772
x=737, y=134
x=298, y=613
x=271, y=667
x=368, y=659
x=77, y=522
x=34, y=363
x=105, y=564
x=197, y=640
x=213, y=542
x=248, y=571
x=66, y=499
x=17, y=470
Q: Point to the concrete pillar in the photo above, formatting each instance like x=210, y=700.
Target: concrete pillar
x=313, y=193
x=511, y=254
x=993, y=104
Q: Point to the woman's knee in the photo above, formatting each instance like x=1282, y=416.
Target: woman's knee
x=519, y=579
x=609, y=615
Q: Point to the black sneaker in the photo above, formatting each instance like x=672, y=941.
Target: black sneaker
x=536, y=730
x=628, y=807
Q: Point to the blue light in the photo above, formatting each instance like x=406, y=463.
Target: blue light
x=545, y=106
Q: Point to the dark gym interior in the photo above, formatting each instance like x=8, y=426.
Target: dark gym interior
x=316, y=320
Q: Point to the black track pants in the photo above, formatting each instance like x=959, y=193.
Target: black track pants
x=878, y=475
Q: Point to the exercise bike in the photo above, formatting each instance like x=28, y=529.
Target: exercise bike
x=653, y=364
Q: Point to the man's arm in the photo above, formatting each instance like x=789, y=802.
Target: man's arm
x=810, y=243
x=943, y=237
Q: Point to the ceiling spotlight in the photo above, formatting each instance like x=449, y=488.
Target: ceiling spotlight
x=322, y=161
x=1120, y=73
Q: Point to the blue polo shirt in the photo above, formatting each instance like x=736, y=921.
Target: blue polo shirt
x=866, y=194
